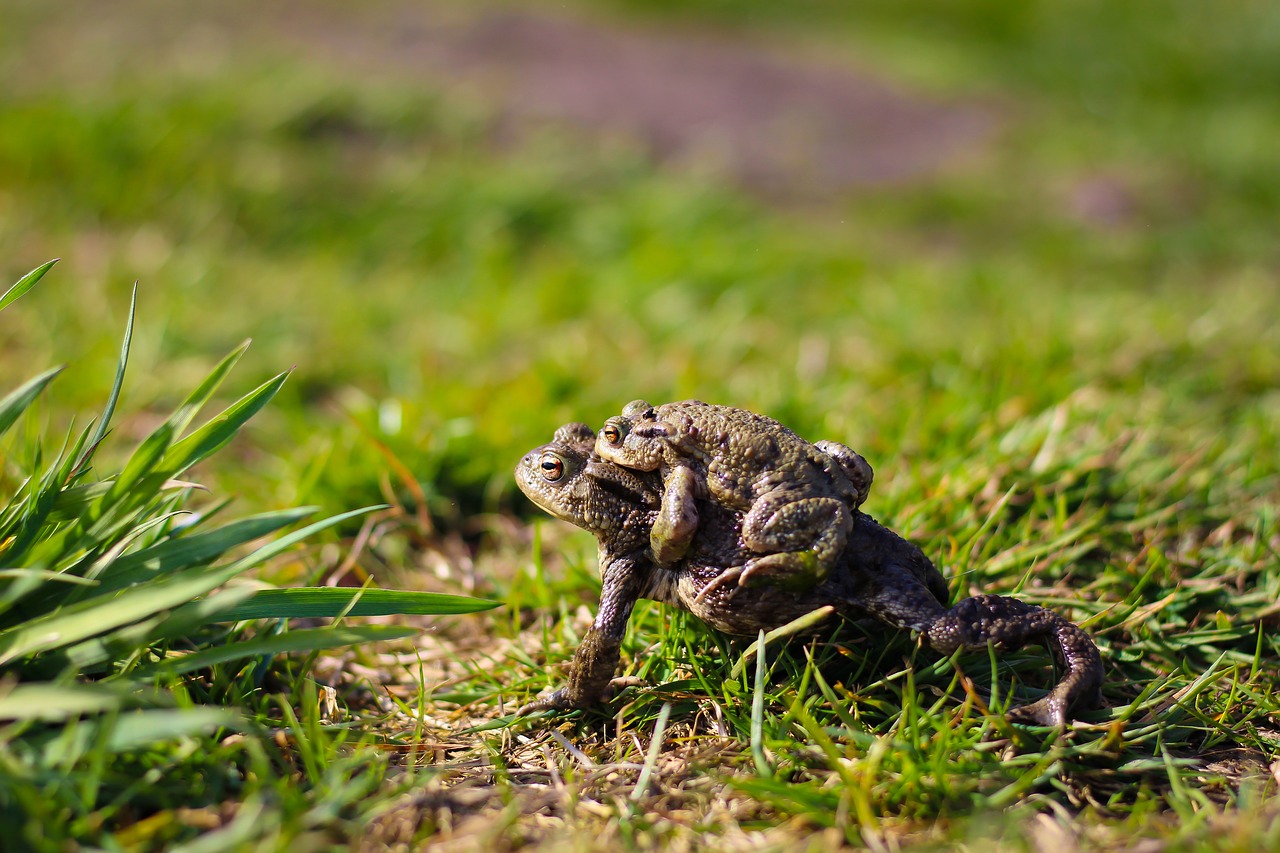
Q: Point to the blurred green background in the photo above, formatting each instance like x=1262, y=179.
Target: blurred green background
x=1071, y=232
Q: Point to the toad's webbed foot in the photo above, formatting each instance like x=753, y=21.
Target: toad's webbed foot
x=557, y=701
x=729, y=575
x=791, y=570
x=590, y=673
x=1010, y=624
x=794, y=570
x=563, y=700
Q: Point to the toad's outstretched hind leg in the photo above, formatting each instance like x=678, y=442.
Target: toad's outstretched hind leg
x=1010, y=624
x=902, y=600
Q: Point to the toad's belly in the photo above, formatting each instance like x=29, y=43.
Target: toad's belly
x=740, y=611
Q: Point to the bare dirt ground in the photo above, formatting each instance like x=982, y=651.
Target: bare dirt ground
x=767, y=115
x=761, y=115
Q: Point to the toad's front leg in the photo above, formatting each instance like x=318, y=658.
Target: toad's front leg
x=677, y=520
x=596, y=659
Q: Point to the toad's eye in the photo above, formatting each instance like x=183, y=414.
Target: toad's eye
x=552, y=467
x=611, y=434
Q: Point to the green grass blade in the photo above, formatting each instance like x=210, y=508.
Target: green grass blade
x=45, y=575
x=131, y=730
x=185, y=413
x=651, y=756
x=13, y=405
x=138, y=531
x=284, y=543
x=140, y=464
x=298, y=602
x=142, y=728
x=73, y=462
x=114, y=396
x=307, y=640
x=72, y=502
x=25, y=283
x=218, y=431
x=98, y=616
x=195, y=549
x=795, y=626
x=32, y=524
x=139, y=728
x=54, y=702
x=181, y=621
x=101, y=615
x=757, y=710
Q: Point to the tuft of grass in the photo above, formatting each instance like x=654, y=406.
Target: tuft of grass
x=113, y=593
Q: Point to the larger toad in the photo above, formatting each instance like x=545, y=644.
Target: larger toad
x=878, y=574
x=797, y=497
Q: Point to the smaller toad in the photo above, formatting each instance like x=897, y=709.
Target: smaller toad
x=799, y=498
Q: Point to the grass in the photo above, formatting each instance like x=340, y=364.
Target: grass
x=1079, y=412
x=116, y=591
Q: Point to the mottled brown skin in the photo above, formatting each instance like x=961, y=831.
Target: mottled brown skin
x=798, y=498
x=879, y=575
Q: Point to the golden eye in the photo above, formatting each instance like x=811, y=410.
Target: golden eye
x=552, y=467
x=611, y=434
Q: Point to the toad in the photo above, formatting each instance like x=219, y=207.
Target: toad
x=877, y=574
x=797, y=497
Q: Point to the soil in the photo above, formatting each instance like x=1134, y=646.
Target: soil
x=761, y=115
x=759, y=112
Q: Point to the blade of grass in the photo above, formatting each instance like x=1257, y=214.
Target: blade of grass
x=139, y=728
x=182, y=417
x=651, y=757
x=297, y=602
x=25, y=283
x=795, y=626
x=17, y=401
x=179, y=622
x=131, y=730
x=757, y=711
x=279, y=546
x=98, y=616
x=306, y=640
x=45, y=575
x=221, y=428
x=143, y=461
x=49, y=702
x=105, y=421
x=195, y=549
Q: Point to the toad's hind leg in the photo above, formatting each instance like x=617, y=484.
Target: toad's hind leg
x=852, y=466
x=1010, y=624
x=800, y=538
x=897, y=597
